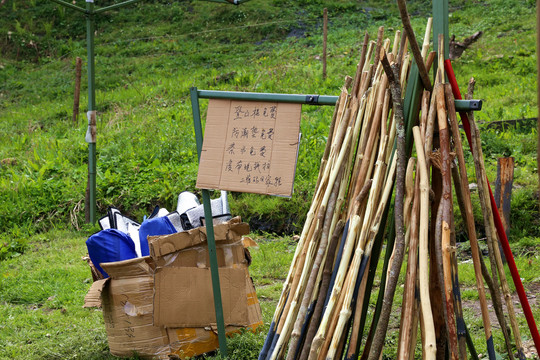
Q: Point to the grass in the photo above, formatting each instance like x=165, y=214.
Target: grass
x=42, y=292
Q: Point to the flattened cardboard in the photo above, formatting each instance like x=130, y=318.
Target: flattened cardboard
x=229, y=232
x=189, y=342
x=189, y=248
x=250, y=146
x=182, y=299
x=128, y=310
x=93, y=296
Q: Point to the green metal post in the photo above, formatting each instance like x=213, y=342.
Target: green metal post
x=440, y=26
x=218, y=305
x=90, y=26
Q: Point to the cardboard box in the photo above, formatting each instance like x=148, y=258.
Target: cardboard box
x=148, y=303
x=126, y=299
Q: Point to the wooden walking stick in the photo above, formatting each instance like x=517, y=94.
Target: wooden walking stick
x=463, y=333
x=371, y=220
x=406, y=325
x=322, y=332
x=360, y=67
x=395, y=87
x=446, y=204
x=296, y=286
x=500, y=228
x=295, y=335
x=429, y=347
x=489, y=229
x=292, y=311
x=460, y=323
x=482, y=186
x=414, y=44
x=471, y=231
x=498, y=257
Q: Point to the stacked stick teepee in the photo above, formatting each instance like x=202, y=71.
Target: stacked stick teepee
x=322, y=310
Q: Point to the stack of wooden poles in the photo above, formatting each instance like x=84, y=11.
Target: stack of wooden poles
x=322, y=312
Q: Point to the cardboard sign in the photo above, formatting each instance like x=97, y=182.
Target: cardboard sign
x=250, y=147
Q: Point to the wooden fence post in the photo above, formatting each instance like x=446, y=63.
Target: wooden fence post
x=503, y=192
x=325, y=34
x=76, y=97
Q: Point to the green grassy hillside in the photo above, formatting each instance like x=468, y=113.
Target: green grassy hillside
x=149, y=54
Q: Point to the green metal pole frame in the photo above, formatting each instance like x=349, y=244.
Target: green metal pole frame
x=440, y=26
x=92, y=167
x=197, y=124
x=218, y=305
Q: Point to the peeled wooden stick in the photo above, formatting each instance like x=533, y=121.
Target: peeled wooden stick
x=380, y=35
x=321, y=252
x=322, y=332
x=460, y=323
x=446, y=204
x=430, y=348
x=392, y=72
x=327, y=273
x=360, y=67
x=292, y=309
x=502, y=274
x=425, y=45
x=491, y=236
x=471, y=231
x=414, y=45
x=354, y=342
x=407, y=312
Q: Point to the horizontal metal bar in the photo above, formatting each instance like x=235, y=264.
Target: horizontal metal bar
x=468, y=105
x=69, y=5
x=111, y=7
x=232, y=2
x=286, y=98
x=461, y=105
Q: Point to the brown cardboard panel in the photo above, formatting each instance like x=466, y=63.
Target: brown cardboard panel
x=184, y=297
x=229, y=232
x=128, y=317
x=93, y=296
x=228, y=255
x=189, y=342
x=135, y=267
x=250, y=147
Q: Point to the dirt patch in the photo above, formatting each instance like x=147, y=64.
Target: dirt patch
x=532, y=290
